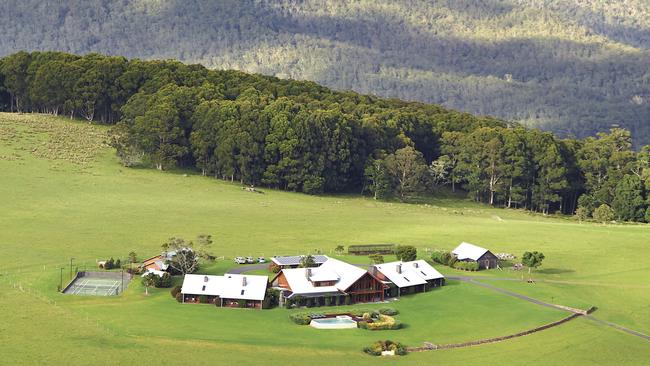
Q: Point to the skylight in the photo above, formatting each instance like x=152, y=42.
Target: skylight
x=203, y=289
x=242, y=292
x=407, y=280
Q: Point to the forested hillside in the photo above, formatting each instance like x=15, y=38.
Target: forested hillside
x=576, y=67
x=299, y=136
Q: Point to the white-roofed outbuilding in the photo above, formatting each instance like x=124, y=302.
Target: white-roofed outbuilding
x=229, y=290
x=408, y=277
x=467, y=252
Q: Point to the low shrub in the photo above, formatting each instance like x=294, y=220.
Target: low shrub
x=275, y=268
x=300, y=318
x=384, y=322
x=179, y=297
x=165, y=281
x=175, y=291
x=203, y=299
x=378, y=347
x=241, y=303
x=466, y=266
x=388, y=311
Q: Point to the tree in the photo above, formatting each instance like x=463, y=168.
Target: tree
x=180, y=255
x=628, y=203
x=307, y=261
x=407, y=167
x=339, y=249
x=149, y=281
x=406, y=253
x=582, y=214
x=378, y=178
x=439, y=171
x=376, y=258
x=603, y=213
x=133, y=257
x=532, y=260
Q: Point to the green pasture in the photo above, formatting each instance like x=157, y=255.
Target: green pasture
x=63, y=195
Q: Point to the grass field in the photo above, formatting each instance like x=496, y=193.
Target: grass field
x=63, y=195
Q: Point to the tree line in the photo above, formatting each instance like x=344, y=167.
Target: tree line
x=299, y=136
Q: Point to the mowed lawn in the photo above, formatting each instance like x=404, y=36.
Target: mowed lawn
x=63, y=194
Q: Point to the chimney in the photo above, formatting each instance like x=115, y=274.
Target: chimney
x=307, y=272
x=373, y=270
x=243, y=281
x=205, y=279
x=415, y=264
x=398, y=268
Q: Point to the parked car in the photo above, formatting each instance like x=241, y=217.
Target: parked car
x=261, y=260
x=240, y=260
x=250, y=260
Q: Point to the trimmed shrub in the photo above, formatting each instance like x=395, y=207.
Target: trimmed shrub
x=179, y=297
x=384, y=322
x=362, y=325
x=388, y=311
x=300, y=318
x=241, y=303
x=376, y=348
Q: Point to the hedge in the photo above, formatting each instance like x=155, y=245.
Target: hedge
x=466, y=266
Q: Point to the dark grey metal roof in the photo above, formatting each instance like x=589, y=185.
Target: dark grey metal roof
x=294, y=260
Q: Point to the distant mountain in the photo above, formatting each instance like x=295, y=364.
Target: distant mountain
x=575, y=67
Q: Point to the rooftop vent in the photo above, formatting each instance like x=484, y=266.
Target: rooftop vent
x=307, y=272
x=398, y=268
x=415, y=264
x=205, y=279
x=243, y=282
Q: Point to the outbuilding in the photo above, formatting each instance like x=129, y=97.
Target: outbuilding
x=293, y=261
x=407, y=277
x=467, y=252
x=229, y=290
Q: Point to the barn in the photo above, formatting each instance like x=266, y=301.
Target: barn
x=407, y=277
x=467, y=252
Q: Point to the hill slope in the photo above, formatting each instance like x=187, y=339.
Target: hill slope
x=574, y=68
x=57, y=205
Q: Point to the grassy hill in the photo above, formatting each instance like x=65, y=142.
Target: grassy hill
x=64, y=195
x=573, y=67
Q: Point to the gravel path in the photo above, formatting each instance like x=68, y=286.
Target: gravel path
x=542, y=303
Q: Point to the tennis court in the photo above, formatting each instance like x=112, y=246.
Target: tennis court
x=97, y=284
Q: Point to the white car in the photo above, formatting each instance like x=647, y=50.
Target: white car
x=250, y=260
x=240, y=260
x=261, y=260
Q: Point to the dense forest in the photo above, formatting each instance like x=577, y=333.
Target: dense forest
x=299, y=136
x=572, y=67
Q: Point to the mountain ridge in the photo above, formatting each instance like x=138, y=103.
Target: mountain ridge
x=575, y=69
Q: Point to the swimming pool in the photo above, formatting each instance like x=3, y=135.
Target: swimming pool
x=340, y=322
